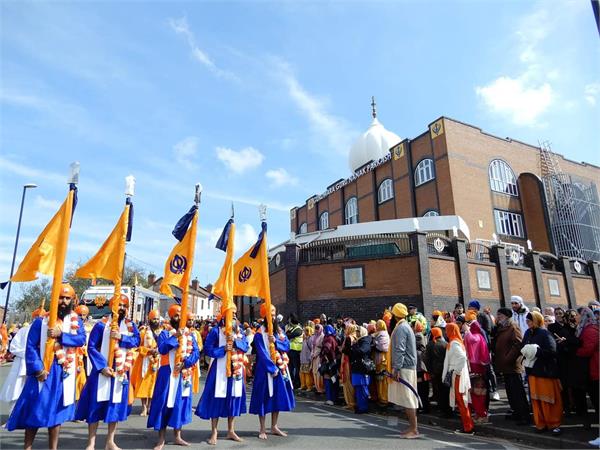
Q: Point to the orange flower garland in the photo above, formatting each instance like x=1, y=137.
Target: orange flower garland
x=66, y=357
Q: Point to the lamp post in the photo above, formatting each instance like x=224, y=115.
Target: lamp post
x=12, y=267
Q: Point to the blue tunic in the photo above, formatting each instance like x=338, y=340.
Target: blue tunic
x=88, y=407
x=181, y=414
x=35, y=408
x=283, y=393
x=210, y=407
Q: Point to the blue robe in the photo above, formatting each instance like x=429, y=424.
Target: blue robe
x=35, y=408
x=210, y=407
x=283, y=393
x=181, y=414
x=88, y=407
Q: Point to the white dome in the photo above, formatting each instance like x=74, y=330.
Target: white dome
x=373, y=144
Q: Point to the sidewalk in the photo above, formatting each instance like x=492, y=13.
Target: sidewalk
x=574, y=435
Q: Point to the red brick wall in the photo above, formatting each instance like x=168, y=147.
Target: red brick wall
x=551, y=300
x=584, y=290
x=278, y=287
x=522, y=283
x=494, y=281
x=383, y=277
x=444, y=277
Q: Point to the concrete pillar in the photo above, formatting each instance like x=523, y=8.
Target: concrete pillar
x=498, y=256
x=533, y=261
x=595, y=272
x=565, y=267
x=459, y=247
x=419, y=243
x=291, y=279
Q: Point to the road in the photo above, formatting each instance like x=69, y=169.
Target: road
x=311, y=425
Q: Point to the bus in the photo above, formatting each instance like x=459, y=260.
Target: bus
x=141, y=301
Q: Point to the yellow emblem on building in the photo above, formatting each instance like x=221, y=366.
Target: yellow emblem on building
x=311, y=203
x=437, y=128
x=398, y=151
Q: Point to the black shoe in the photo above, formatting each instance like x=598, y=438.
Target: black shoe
x=540, y=430
x=556, y=431
x=469, y=433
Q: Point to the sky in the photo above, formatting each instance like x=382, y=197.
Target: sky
x=260, y=102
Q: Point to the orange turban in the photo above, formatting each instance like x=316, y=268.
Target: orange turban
x=470, y=316
x=82, y=309
x=437, y=312
x=418, y=327
x=154, y=314
x=66, y=290
x=317, y=321
x=263, y=310
x=436, y=333
x=123, y=299
x=38, y=312
x=174, y=309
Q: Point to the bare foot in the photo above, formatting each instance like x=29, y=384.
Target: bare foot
x=234, y=437
x=181, y=442
x=111, y=446
x=277, y=432
x=90, y=447
x=410, y=435
x=144, y=412
x=262, y=435
x=212, y=440
x=159, y=446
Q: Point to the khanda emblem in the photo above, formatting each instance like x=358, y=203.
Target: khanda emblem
x=245, y=274
x=178, y=264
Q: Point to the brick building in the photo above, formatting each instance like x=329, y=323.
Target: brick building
x=451, y=214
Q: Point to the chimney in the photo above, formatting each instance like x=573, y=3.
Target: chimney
x=195, y=284
x=151, y=279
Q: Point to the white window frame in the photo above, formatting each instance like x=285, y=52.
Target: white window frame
x=502, y=178
x=484, y=281
x=303, y=229
x=431, y=213
x=351, y=211
x=554, y=287
x=324, y=221
x=424, y=172
x=385, y=191
x=509, y=223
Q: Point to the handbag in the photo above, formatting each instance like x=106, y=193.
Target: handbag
x=448, y=378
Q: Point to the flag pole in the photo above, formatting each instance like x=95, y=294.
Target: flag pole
x=229, y=320
x=61, y=253
x=187, y=274
x=262, y=209
x=118, y=280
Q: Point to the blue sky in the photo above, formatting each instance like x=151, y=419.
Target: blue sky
x=261, y=101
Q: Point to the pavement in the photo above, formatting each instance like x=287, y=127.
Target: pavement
x=313, y=425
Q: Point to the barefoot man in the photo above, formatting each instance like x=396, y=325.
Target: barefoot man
x=145, y=368
x=106, y=391
x=172, y=398
x=223, y=396
x=48, y=398
x=272, y=391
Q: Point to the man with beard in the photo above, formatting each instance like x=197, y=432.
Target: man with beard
x=143, y=374
x=106, y=391
x=223, y=396
x=191, y=325
x=172, y=399
x=48, y=397
x=83, y=312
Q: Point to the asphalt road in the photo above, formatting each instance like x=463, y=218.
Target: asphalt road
x=311, y=425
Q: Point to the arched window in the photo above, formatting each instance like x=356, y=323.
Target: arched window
x=431, y=213
x=324, y=221
x=502, y=178
x=351, y=211
x=386, y=191
x=424, y=172
x=303, y=228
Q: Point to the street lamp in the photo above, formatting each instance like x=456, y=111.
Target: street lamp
x=12, y=267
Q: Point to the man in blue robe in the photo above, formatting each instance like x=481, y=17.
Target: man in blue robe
x=172, y=398
x=48, y=397
x=106, y=391
x=272, y=391
x=223, y=396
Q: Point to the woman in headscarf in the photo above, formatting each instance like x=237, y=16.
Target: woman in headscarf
x=422, y=375
x=541, y=366
x=329, y=354
x=361, y=366
x=435, y=353
x=587, y=332
x=478, y=355
x=316, y=343
x=381, y=343
x=455, y=364
x=345, y=371
x=307, y=380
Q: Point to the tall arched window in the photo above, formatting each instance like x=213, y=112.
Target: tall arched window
x=324, y=221
x=502, y=178
x=351, y=211
x=431, y=213
x=303, y=228
x=386, y=191
x=424, y=172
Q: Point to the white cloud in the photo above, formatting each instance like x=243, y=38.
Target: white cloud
x=180, y=26
x=336, y=131
x=517, y=99
x=44, y=203
x=185, y=151
x=239, y=162
x=591, y=92
x=281, y=177
x=245, y=236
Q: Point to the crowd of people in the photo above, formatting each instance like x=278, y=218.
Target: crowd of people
x=449, y=363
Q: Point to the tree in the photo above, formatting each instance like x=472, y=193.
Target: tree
x=31, y=298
